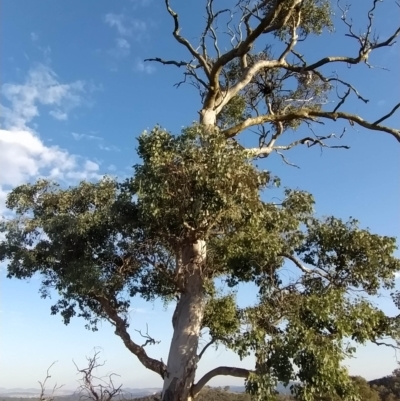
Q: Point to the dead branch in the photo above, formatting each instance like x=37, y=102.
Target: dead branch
x=173, y=62
x=286, y=161
x=309, y=115
x=381, y=343
x=265, y=151
x=387, y=115
x=42, y=396
x=257, y=22
x=121, y=331
x=96, y=388
x=183, y=41
x=149, y=340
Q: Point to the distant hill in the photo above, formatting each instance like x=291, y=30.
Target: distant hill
x=27, y=394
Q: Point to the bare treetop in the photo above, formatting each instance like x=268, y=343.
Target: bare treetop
x=244, y=88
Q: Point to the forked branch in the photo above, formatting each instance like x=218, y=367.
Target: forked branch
x=121, y=330
x=96, y=388
x=49, y=397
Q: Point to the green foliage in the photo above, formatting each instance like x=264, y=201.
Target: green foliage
x=233, y=113
x=316, y=16
x=221, y=324
x=388, y=387
x=184, y=187
x=115, y=241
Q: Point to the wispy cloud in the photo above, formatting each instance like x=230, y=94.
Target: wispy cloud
x=142, y=67
x=41, y=87
x=59, y=115
x=126, y=26
x=79, y=137
x=111, y=148
x=122, y=48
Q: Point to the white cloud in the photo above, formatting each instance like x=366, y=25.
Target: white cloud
x=40, y=88
x=125, y=25
x=397, y=275
x=59, y=115
x=142, y=67
x=111, y=167
x=24, y=156
x=91, y=166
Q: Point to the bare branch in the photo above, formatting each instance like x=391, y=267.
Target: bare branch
x=149, y=340
x=387, y=115
x=185, y=42
x=89, y=390
x=362, y=57
x=220, y=371
x=205, y=348
x=286, y=160
x=121, y=331
x=247, y=76
x=305, y=114
x=380, y=343
x=173, y=62
x=267, y=24
x=42, y=396
x=209, y=29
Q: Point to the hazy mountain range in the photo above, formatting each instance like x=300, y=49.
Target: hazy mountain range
x=127, y=393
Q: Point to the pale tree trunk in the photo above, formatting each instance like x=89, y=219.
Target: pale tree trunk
x=208, y=117
x=188, y=315
x=187, y=319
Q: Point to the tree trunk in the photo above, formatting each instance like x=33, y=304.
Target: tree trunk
x=208, y=117
x=186, y=322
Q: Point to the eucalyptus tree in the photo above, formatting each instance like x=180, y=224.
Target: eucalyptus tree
x=193, y=214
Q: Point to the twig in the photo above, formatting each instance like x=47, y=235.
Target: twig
x=149, y=340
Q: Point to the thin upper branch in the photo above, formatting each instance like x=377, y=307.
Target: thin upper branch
x=149, y=340
x=183, y=41
x=309, y=141
x=220, y=371
x=173, y=62
x=96, y=388
x=42, y=396
x=387, y=115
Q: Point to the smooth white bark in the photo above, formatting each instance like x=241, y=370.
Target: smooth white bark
x=187, y=319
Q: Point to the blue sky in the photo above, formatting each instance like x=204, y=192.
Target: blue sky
x=75, y=93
